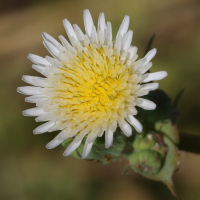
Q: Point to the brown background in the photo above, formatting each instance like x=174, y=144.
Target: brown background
x=28, y=171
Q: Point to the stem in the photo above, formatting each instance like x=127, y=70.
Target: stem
x=189, y=142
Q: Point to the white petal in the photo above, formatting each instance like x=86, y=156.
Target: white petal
x=101, y=37
x=54, y=62
x=64, y=134
x=41, y=70
x=29, y=90
x=87, y=148
x=61, y=48
x=101, y=23
x=124, y=26
x=43, y=104
x=145, y=104
x=127, y=40
x=92, y=136
x=153, y=76
x=74, y=42
x=86, y=40
x=139, y=63
x=55, y=127
x=108, y=32
x=132, y=110
x=52, y=49
x=108, y=138
x=36, y=98
x=135, y=123
x=118, y=43
x=67, y=45
x=81, y=134
x=79, y=46
x=145, y=68
x=33, y=112
x=125, y=127
x=134, y=58
x=56, y=141
x=132, y=51
x=150, y=55
x=43, y=128
x=94, y=37
x=29, y=79
x=47, y=116
x=38, y=60
x=101, y=132
x=112, y=125
x=69, y=29
x=50, y=39
x=79, y=33
x=73, y=146
x=88, y=22
x=141, y=92
x=150, y=86
x=36, y=81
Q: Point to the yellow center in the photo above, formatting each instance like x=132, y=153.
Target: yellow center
x=94, y=86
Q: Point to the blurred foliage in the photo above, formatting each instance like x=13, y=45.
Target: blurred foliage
x=12, y=5
x=27, y=169
x=163, y=109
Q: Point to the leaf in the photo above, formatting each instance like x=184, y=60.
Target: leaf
x=178, y=97
x=163, y=107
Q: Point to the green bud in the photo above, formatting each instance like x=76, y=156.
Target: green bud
x=162, y=160
x=150, y=141
x=145, y=162
x=160, y=149
x=143, y=141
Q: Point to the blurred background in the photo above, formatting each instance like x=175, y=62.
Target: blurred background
x=28, y=171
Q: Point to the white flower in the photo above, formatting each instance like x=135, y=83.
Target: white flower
x=91, y=84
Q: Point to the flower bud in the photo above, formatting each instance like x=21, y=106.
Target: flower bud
x=149, y=153
x=143, y=141
x=146, y=162
x=162, y=150
x=151, y=141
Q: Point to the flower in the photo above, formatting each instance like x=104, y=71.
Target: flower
x=91, y=84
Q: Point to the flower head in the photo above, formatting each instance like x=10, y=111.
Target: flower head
x=91, y=84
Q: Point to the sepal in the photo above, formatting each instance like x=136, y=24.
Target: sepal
x=161, y=162
x=99, y=153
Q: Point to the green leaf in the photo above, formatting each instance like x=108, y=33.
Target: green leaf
x=178, y=97
x=149, y=45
